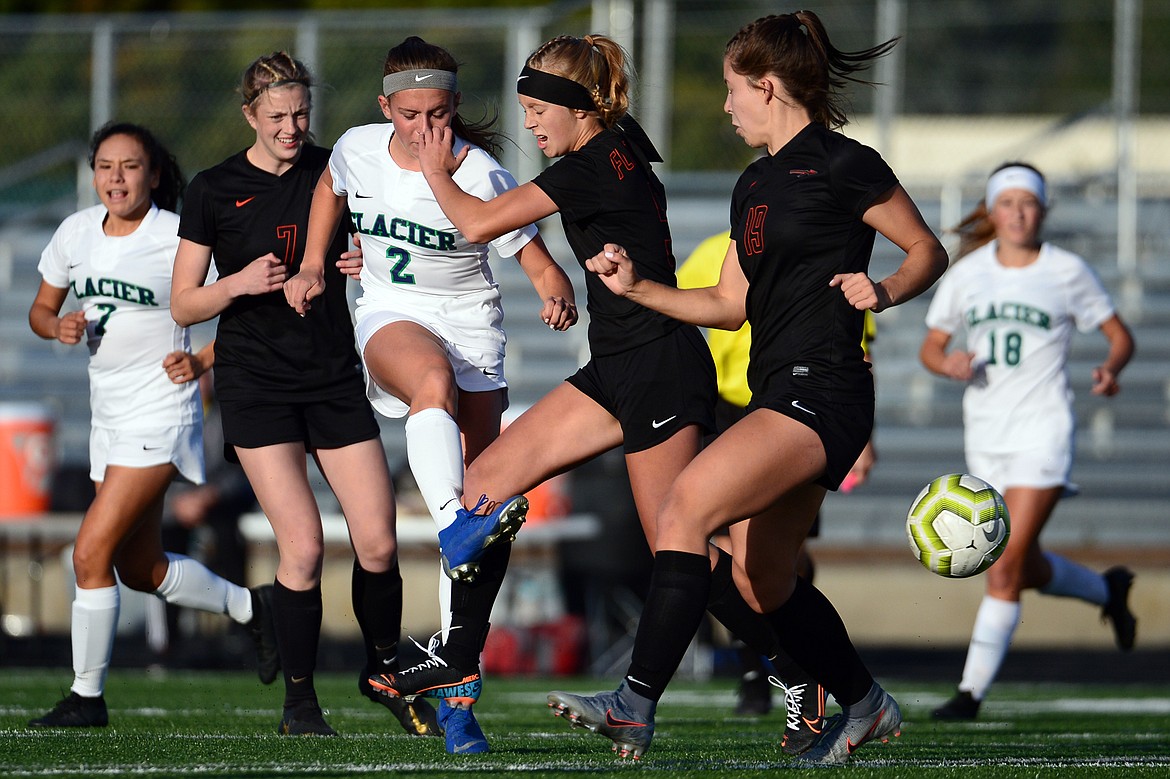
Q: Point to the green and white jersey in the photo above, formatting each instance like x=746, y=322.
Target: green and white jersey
x=1019, y=324
x=408, y=243
x=124, y=286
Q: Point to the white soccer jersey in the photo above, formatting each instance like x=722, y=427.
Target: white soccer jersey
x=1019, y=324
x=408, y=243
x=124, y=286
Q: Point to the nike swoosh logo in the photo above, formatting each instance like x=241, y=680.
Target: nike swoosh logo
x=298, y=679
x=656, y=424
x=361, y=196
x=242, y=203
x=151, y=448
x=520, y=78
x=614, y=722
x=796, y=404
x=423, y=78
x=990, y=533
x=850, y=746
x=462, y=747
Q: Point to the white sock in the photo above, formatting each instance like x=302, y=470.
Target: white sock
x=444, y=603
x=95, y=621
x=158, y=636
x=994, y=625
x=1071, y=580
x=189, y=583
x=435, y=453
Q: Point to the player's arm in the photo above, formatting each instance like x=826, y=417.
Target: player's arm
x=722, y=306
x=192, y=301
x=1120, y=351
x=324, y=217
x=551, y=283
x=896, y=217
x=45, y=320
x=950, y=365
x=480, y=221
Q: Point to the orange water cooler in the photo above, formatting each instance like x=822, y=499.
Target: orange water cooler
x=26, y=459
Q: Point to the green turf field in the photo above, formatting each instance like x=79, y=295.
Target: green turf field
x=212, y=724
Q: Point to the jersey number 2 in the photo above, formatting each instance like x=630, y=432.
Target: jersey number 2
x=399, y=259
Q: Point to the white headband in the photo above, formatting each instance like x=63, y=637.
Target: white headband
x=1016, y=177
x=418, y=79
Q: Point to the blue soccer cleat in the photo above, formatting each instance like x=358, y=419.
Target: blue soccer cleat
x=464, y=735
x=462, y=543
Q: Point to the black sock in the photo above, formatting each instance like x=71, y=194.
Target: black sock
x=679, y=586
x=751, y=662
x=471, y=608
x=812, y=633
x=377, y=605
x=297, y=619
x=727, y=605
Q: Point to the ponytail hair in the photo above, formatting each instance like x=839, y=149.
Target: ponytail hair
x=597, y=63
x=797, y=48
x=171, y=183
x=416, y=54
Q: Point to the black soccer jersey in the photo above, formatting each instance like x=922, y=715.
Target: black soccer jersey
x=606, y=193
x=796, y=222
x=263, y=349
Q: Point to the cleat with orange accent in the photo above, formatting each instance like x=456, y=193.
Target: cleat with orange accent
x=607, y=715
x=432, y=678
x=804, y=715
x=844, y=734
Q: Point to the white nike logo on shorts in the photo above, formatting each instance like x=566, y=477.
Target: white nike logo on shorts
x=656, y=424
x=796, y=404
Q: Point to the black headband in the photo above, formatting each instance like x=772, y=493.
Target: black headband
x=557, y=90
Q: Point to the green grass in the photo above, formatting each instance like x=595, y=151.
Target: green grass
x=209, y=724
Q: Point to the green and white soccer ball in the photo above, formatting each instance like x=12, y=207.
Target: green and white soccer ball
x=958, y=526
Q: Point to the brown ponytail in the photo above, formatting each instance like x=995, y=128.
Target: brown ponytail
x=597, y=63
x=797, y=48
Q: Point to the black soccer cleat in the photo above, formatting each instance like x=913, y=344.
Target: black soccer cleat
x=75, y=711
x=1119, y=580
x=304, y=719
x=264, y=634
x=804, y=713
x=417, y=717
x=754, y=697
x=961, y=707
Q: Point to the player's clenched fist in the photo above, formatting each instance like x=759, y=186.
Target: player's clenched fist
x=262, y=275
x=303, y=287
x=71, y=327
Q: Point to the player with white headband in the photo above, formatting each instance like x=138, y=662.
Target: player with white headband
x=429, y=322
x=1016, y=302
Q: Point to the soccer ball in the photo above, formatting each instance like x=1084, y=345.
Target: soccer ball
x=958, y=526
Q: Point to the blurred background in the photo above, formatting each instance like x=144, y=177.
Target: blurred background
x=1080, y=88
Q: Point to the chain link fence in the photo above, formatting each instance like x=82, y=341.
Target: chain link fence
x=972, y=83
